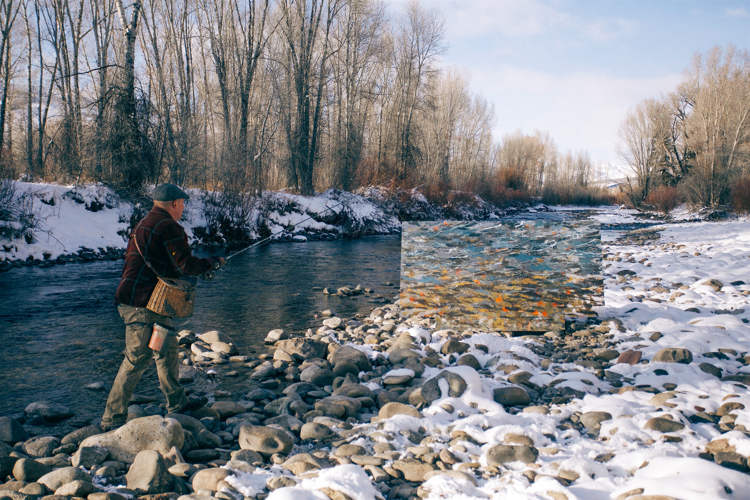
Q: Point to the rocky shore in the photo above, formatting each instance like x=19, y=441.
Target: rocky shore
x=649, y=399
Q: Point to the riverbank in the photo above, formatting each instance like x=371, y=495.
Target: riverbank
x=650, y=399
x=90, y=222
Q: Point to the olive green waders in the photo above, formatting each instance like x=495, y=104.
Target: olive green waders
x=139, y=323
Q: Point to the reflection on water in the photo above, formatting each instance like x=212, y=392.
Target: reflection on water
x=60, y=330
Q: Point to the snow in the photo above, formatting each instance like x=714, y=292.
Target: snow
x=351, y=480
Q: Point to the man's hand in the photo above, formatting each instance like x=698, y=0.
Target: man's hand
x=219, y=262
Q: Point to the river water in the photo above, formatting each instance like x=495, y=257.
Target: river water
x=60, y=330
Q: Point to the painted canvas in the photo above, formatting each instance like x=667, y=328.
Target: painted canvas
x=504, y=276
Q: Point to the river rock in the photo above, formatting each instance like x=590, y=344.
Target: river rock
x=89, y=456
x=431, y=389
x=275, y=335
x=413, y=470
x=452, y=346
x=78, y=488
x=228, y=409
x=347, y=450
x=313, y=431
x=663, y=424
x=630, y=357
x=148, y=473
x=265, y=440
x=40, y=446
x=592, y=420
x=301, y=348
x=302, y=462
x=58, y=477
x=209, y=479
x=102, y=495
x=213, y=336
x=350, y=355
x=46, y=411
x=398, y=376
x=28, y=470
x=316, y=374
x=249, y=456
x=511, y=396
x=469, y=360
x=75, y=437
x=332, y=323
x=34, y=490
x=11, y=431
x=673, y=355
x=394, y=408
x=503, y=453
x=145, y=433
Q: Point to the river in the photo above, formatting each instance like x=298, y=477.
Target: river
x=61, y=331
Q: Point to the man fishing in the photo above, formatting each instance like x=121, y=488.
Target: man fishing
x=157, y=248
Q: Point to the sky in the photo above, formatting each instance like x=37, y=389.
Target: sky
x=575, y=68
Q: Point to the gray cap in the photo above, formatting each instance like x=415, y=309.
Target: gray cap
x=168, y=192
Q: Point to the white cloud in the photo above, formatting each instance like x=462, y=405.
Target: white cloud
x=581, y=111
x=737, y=12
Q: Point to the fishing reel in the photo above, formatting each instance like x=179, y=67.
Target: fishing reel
x=211, y=273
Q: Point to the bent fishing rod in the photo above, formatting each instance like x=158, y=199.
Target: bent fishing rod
x=260, y=242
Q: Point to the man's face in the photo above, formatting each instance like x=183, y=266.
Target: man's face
x=178, y=207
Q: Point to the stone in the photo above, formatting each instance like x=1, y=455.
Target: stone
x=592, y=420
x=275, y=335
x=78, y=488
x=729, y=407
x=663, y=424
x=504, y=453
x=214, y=336
x=102, y=495
x=332, y=323
x=302, y=348
x=452, y=346
x=710, y=369
x=469, y=360
x=431, y=390
x=209, y=479
x=46, y=411
x=11, y=431
x=317, y=374
x=249, y=456
x=630, y=357
x=605, y=354
x=511, y=396
x=75, y=437
x=227, y=409
x=398, y=376
x=56, y=478
x=413, y=470
x=40, y=446
x=394, y=408
x=265, y=440
x=713, y=283
x=350, y=355
x=313, y=431
x=673, y=355
x=347, y=450
x=34, y=489
x=148, y=473
x=300, y=463
x=145, y=433
x=89, y=456
x=28, y=470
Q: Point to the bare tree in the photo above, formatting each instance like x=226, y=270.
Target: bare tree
x=642, y=135
x=8, y=13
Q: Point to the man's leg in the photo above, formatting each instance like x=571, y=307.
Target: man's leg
x=134, y=363
x=167, y=368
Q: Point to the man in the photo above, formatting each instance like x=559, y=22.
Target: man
x=158, y=245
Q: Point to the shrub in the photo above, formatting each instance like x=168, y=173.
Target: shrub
x=664, y=198
x=741, y=194
x=17, y=217
x=576, y=195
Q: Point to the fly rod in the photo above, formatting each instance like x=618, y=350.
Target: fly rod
x=235, y=254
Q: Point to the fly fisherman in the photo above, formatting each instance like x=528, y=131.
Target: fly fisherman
x=159, y=247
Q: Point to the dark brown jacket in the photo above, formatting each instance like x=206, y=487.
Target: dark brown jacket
x=165, y=246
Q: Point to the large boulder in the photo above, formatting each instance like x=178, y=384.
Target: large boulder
x=149, y=474
x=28, y=470
x=41, y=446
x=209, y=479
x=44, y=411
x=265, y=440
x=350, y=355
x=145, y=433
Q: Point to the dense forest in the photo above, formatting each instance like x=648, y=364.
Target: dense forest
x=246, y=95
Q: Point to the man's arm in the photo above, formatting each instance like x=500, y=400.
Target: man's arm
x=180, y=255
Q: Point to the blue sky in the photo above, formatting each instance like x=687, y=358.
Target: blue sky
x=574, y=68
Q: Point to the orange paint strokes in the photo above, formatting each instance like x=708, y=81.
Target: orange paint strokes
x=498, y=299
